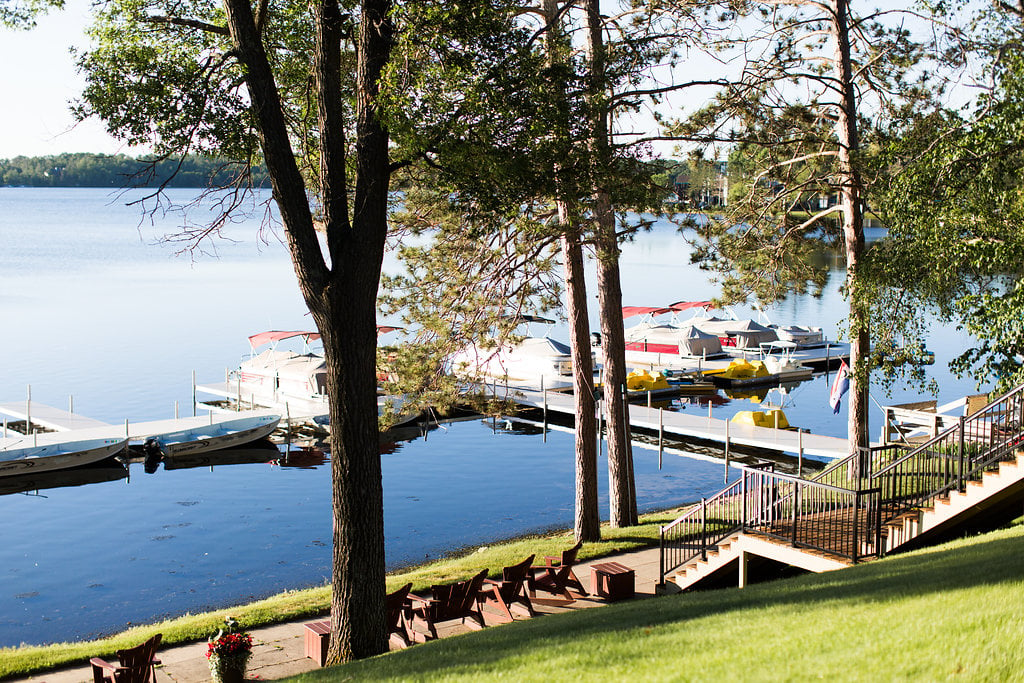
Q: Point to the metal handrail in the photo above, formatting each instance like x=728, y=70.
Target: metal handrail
x=847, y=519
x=948, y=460
x=761, y=501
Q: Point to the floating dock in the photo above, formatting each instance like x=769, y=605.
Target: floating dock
x=688, y=425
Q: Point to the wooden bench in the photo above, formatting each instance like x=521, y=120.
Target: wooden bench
x=612, y=581
x=318, y=637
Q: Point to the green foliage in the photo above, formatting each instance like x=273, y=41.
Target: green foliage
x=955, y=211
x=119, y=170
x=21, y=14
x=469, y=276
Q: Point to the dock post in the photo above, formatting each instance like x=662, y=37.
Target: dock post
x=288, y=425
x=28, y=411
x=661, y=434
x=195, y=407
x=175, y=410
x=828, y=348
x=649, y=392
x=545, y=413
x=709, y=412
x=238, y=398
x=727, y=451
x=71, y=403
x=800, y=452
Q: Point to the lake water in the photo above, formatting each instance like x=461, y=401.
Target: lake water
x=93, y=306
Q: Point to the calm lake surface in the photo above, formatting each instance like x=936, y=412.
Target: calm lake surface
x=95, y=307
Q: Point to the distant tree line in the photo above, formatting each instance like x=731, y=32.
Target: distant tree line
x=120, y=170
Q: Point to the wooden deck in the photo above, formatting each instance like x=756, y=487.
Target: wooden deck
x=688, y=425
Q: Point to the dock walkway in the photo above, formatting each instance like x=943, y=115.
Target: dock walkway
x=48, y=417
x=688, y=425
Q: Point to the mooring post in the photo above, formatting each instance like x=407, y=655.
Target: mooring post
x=195, y=403
x=71, y=403
x=661, y=434
x=545, y=433
x=727, y=451
x=175, y=410
x=288, y=425
x=28, y=411
x=238, y=396
x=800, y=452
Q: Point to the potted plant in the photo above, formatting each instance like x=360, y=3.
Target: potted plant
x=229, y=652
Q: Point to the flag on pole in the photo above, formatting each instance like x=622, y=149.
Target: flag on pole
x=840, y=386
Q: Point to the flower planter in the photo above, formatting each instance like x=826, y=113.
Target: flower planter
x=228, y=668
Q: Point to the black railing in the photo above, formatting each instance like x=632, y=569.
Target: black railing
x=805, y=513
x=948, y=461
x=842, y=509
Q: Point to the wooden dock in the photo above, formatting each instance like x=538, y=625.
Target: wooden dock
x=688, y=425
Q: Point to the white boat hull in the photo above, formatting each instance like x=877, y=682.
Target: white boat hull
x=204, y=434
x=54, y=452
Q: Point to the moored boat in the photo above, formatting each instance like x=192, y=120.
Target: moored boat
x=532, y=361
x=54, y=451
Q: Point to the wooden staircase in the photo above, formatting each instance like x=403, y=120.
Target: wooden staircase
x=997, y=486
x=877, y=501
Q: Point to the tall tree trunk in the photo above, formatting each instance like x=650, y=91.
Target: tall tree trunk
x=621, y=488
x=850, y=189
x=341, y=298
x=587, y=522
x=587, y=525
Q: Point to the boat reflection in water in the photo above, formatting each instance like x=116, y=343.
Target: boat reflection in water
x=109, y=469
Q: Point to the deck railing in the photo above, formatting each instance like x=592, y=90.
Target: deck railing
x=842, y=509
x=805, y=513
x=948, y=461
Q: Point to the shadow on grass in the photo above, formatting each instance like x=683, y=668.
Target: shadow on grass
x=990, y=560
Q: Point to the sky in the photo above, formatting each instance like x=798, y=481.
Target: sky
x=38, y=79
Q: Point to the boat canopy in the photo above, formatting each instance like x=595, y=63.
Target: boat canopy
x=279, y=335
x=695, y=342
x=544, y=347
x=677, y=307
x=630, y=311
x=307, y=336
x=680, y=306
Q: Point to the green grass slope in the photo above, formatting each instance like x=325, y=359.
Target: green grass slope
x=952, y=611
x=28, y=659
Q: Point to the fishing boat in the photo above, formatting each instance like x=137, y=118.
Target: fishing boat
x=532, y=361
x=55, y=451
x=203, y=434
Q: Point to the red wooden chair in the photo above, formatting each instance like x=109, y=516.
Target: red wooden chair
x=395, y=609
x=556, y=577
x=510, y=591
x=460, y=600
x=138, y=664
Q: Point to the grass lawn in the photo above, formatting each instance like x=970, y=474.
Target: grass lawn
x=952, y=611
x=28, y=659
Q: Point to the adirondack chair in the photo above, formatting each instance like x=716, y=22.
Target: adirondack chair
x=556, y=576
x=460, y=600
x=510, y=591
x=395, y=609
x=138, y=664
